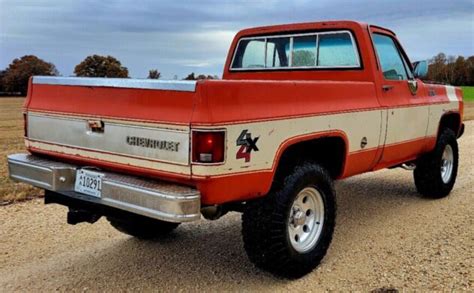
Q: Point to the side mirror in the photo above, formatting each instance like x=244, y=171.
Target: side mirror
x=420, y=69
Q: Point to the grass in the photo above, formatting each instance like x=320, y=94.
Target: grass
x=468, y=93
x=468, y=97
x=11, y=141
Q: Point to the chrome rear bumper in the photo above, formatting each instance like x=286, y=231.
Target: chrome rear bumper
x=151, y=198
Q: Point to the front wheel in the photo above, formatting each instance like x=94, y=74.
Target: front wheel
x=436, y=172
x=289, y=231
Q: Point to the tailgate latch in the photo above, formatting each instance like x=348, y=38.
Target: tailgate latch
x=96, y=126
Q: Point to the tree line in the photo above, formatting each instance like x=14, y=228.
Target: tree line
x=452, y=70
x=14, y=79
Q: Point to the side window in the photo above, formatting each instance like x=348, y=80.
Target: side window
x=336, y=50
x=278, y=52
x=304, y=51
x=254, y=54
x=390, y=59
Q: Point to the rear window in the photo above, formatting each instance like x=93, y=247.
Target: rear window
x=304, y=51
x=278, y=52
x=254, y=54
x=336, y=50
x=311, y=50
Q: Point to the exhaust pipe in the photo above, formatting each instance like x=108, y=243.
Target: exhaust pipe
x=213, y=212
x=409, y=166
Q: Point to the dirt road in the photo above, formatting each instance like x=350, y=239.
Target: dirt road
x=386, y=236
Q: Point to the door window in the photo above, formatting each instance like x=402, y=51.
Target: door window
x=390, y=59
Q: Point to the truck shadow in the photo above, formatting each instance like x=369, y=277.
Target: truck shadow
x=204, y=253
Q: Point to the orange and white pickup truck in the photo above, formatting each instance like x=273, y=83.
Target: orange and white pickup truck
x=298, y=107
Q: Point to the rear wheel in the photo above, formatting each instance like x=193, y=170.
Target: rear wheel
x=436, y=172
x=289, y=231
x=143, y=227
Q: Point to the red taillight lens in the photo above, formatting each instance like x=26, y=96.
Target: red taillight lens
x=208, y=146
x=25, y=124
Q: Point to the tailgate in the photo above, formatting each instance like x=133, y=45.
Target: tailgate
x=124, y=122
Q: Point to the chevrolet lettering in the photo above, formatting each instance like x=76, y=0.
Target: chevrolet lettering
x=153, y=143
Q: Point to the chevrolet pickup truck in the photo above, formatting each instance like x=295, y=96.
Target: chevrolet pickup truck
x=299, y=106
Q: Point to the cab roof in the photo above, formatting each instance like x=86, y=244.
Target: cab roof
x=320, y=25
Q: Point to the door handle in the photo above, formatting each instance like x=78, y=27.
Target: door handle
x=387, y=87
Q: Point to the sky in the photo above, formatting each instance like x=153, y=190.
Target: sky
x=179, y=37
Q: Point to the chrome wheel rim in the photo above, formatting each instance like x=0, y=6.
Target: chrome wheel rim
x=447, y=162
x=306, y=219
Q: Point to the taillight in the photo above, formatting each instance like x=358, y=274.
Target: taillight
x=208, y=146
x=25, y=124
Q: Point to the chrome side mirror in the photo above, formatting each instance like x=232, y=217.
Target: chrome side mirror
x=420, y=69
x=413, y=86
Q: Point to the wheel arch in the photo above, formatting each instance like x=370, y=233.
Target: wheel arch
x=334, y=146
x=451, y=120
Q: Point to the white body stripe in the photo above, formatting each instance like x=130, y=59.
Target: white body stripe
x=438, y=110
x=451, y=92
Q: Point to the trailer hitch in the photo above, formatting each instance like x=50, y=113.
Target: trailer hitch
x=76, y=216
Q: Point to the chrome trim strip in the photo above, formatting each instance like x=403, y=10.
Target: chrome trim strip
x=290, y=62
x=171, y=85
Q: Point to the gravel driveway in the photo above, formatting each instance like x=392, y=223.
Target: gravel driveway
x=386, y=237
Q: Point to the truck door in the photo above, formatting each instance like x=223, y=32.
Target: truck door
x=404, y=99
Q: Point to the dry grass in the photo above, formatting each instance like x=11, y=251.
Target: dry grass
x=469, y=110
x=11, y=141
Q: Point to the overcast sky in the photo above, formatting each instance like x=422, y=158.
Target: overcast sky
x=179, y=37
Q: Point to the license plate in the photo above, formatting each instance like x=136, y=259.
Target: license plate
x=89, y=183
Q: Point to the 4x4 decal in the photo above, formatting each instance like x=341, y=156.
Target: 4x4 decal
x=247, y=144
